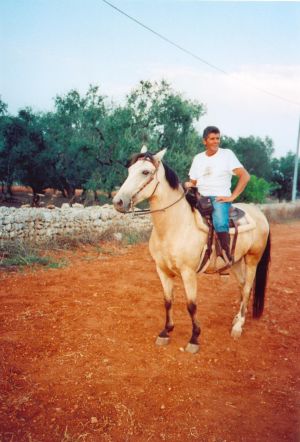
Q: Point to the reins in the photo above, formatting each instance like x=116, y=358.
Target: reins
x=149, y=211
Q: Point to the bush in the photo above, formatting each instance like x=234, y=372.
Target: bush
x=256, y=191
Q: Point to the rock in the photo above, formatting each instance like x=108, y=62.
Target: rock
x=65, y=206
x=118, y=236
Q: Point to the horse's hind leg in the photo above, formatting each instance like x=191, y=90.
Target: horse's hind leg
x=189, y=279
x=245, y=274
x=167, y=283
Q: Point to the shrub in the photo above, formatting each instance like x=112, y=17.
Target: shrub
x=256, y=191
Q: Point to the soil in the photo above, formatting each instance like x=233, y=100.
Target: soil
x=79, y=360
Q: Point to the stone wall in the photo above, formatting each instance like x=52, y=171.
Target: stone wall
x=42, y=224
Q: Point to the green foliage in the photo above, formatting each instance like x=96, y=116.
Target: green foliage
x=254, y=153
x=85, y=142
x=164, y=118
x=256, y=191
x=32, y=159
x=74, y=133
x=3, y=107
x=24, y=155
x=11, y=133
x=282, y=176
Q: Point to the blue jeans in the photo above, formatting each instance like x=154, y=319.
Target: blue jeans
x=220, y=215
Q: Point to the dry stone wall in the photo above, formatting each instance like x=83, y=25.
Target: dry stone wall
x=40, y=224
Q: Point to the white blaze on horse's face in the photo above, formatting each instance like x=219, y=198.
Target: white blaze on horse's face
x=141, y=182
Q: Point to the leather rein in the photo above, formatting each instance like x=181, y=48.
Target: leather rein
x=151, y=178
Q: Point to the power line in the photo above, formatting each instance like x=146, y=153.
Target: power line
x=186, y=51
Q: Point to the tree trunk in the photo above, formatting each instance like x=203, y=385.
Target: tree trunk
x=35, y=200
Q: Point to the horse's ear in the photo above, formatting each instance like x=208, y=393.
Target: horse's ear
x=159, y=155
x=144, y=149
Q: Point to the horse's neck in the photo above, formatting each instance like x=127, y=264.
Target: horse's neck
x=177, y=214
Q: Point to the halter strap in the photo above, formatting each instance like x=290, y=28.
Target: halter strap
x=151, y=178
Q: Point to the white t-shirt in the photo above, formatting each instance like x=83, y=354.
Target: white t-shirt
x=213, y=174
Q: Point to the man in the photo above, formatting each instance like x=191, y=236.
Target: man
x=211, y=172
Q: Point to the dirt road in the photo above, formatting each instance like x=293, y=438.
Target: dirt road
x=79, y=363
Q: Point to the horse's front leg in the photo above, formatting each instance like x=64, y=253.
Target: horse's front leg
x=189, y=278
x=167, y=283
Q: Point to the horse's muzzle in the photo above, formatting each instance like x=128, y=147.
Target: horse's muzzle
x=121, y=204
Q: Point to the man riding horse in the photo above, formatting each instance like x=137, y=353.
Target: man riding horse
x=211, y=172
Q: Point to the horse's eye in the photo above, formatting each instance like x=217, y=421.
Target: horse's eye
x=146, y=172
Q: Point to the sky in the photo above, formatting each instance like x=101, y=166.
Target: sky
x=49, y=47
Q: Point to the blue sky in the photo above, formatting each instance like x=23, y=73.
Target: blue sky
x=51, y=46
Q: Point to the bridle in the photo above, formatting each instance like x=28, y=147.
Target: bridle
x=149, y=180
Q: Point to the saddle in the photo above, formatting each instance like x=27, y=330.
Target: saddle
x=204, y=206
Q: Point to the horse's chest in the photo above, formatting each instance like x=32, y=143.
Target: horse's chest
x=168, y=257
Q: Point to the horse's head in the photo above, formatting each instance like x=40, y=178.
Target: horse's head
x=142, y=180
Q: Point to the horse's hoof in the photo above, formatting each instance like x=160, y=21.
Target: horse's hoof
x=236, y=331
x=192, y=348
x=162, y=341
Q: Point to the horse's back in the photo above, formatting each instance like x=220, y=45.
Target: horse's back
x=256, y=214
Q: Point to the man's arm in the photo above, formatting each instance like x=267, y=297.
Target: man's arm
x=243, y=178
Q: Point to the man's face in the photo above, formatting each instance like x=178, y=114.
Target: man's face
x=212, y=143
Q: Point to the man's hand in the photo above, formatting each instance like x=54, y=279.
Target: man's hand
x=189, y=184
x=225, y=199
x=243, y=178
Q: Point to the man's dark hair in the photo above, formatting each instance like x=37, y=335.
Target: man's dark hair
x=210, y=130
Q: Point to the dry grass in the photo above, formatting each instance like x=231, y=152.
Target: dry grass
x=16, y=253
x=21, y=254
x=282, y=212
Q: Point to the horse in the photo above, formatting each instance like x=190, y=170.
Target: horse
x=179, y=238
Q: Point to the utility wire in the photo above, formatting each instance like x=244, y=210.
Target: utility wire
x=186, y=51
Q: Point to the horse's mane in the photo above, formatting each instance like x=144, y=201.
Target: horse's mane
x=170, y=175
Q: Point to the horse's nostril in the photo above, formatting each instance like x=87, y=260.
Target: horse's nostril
x=120, y=203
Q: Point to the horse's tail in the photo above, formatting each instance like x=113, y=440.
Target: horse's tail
x=261, y=280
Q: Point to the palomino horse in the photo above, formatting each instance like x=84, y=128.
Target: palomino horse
x=179, y=237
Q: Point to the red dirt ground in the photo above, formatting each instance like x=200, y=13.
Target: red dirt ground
x=79, y=363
